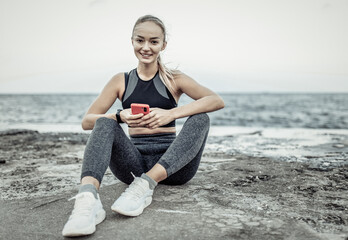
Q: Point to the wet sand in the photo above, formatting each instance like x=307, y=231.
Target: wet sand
x=231, y=197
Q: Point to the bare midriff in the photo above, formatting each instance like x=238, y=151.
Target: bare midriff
x=141, y=131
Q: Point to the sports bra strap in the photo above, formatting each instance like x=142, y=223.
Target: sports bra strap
x=126, y=79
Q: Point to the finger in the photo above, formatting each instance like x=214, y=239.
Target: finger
x=148, y=116
x=137, y=125
x=151, y=109
x=136, y=122
x=155, y=126
x=151, y=120
x=136, y=116
x=148, y=124
x=154, y=123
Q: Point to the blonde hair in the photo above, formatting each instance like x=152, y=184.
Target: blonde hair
x=166, y=74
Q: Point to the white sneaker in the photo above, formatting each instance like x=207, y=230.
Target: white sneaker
x=134, y=199
x=87, y=213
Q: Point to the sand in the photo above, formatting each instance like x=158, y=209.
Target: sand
x=232, y=196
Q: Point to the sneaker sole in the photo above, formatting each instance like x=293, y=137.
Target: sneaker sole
x=90, y=229
x=135, y=212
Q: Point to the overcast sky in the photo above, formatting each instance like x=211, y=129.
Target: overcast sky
x=232, y=45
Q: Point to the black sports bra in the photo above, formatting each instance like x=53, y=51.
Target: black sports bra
x=152, y=92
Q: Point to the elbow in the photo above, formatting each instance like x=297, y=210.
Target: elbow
x=220, y=103
x=85, y=125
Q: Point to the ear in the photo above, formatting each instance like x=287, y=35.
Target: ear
x=132, y=41
x=164, y=46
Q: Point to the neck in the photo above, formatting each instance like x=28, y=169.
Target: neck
x=147, y=71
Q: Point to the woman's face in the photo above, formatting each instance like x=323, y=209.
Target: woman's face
x=148, y=42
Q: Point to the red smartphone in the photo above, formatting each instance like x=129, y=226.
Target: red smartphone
x=140, y=108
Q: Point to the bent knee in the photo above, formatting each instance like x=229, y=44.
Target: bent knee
x=200, y=119
x=204, y=117
x=104, y=122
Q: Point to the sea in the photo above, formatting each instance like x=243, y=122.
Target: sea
x=302, y=127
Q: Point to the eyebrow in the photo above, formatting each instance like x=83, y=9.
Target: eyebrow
x=150, y=38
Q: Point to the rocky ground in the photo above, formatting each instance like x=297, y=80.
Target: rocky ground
x=231, y=197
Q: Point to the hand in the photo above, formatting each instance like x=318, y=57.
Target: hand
x=130, y=119
x=157, y=117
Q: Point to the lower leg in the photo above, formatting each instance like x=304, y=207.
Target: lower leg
x=97, y=155
x=90, y=180
x=157, y=173
x=187, y=146
x=108, y=142
x=190, y=143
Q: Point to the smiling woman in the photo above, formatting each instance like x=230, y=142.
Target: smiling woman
x=148, y=43
x=153, y=152
x=155, y=42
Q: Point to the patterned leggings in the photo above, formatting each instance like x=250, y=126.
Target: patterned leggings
x=109, y=146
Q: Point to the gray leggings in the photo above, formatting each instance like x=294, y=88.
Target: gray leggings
x=109, y=146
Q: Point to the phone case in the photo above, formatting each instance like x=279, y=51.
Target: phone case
x=137, y=108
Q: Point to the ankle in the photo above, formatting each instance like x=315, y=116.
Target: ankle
x=90, y=180
x=152, y=183
x=89, y=188
x=157, y=173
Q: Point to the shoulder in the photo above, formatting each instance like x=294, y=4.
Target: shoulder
x=120, y=77
x=181, y=77
x=115, y=85
x=183, y=80
x=117, y=78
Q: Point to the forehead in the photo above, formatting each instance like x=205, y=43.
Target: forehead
x=148, y=29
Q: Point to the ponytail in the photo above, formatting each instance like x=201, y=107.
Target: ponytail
x=166, y=74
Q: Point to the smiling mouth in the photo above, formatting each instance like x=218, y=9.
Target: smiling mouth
x=145, y=55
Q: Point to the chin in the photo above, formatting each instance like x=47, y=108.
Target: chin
x=146, y=61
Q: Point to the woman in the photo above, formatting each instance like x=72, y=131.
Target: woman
x=153, y=153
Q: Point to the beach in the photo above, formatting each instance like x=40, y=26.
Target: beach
x=234, y=195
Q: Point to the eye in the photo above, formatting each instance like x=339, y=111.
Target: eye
x=139, y=40
x=154, y=42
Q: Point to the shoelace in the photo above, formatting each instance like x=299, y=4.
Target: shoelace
x=83, y=206
x=136, y=189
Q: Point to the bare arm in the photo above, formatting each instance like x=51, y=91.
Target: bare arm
x=103, y=102
x=206, y=100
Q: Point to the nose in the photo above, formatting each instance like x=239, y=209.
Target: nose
x=146, y=46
